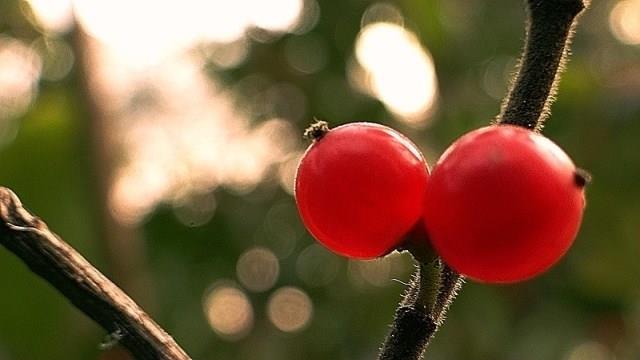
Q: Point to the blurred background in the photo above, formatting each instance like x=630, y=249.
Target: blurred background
x=160, y=138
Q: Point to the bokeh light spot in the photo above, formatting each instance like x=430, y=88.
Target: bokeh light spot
x=382, y=12
x=20, y=68
x=276, y=15
x=590, y=350
x=290, y=309
x=229, y=312
x=258, y=269
x=497, y=73
x=400, y=72
x=624, y=21
x=309, y=17
x=53, y=15
x=57, y=58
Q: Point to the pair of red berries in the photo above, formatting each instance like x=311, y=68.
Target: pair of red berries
x=502, y=204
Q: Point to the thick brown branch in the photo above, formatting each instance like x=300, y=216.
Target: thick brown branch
x=55, y=261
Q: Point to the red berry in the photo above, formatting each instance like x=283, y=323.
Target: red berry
x=503, y=204
x=360, y=189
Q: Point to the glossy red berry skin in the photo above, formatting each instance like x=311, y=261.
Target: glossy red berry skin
x=360, y=189
x=503, y=204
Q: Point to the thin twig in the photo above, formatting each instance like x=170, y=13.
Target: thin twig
x=55, y=261
x=549, y=30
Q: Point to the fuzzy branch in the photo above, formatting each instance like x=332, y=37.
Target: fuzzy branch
x=56, y=262
x=421, y=312
x=549, y=30
x=413, y=324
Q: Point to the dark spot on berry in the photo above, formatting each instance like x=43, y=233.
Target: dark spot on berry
x=581, y=177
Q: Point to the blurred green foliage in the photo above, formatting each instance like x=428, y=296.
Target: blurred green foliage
x=586, y=307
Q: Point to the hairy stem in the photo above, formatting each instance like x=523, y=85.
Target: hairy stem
x=84, y=286
x=413, y=325
x=450, y=284
x=549, y=30
x=421, y=311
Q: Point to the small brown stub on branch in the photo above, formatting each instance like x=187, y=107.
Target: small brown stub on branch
x=316, y=130
x=582, y=178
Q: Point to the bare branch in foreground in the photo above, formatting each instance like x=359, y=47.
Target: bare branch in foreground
x=59, y=264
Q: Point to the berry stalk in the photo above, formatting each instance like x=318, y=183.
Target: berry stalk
x=416, y=319
x=548, y=35
x=424, y=305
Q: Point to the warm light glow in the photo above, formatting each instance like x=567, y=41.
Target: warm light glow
x=170, y=27
x=624, y=21
x=290, y=309
x=20, y=68
x=229, y=312
x=137, y=189
x=179, y=133
x=248, y=163
x=217, y=20
x=275, y=15
x=309, y=17
x=188, y=138
x=167, y=27
x=53, y=15
x=400, y=71
x=258, y=269
x=590, y=351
